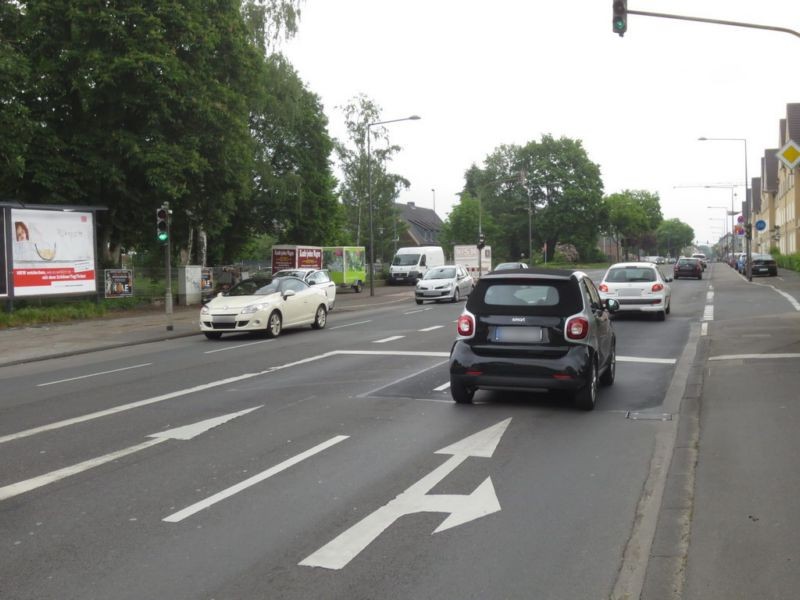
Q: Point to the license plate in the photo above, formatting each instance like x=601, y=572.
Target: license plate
x=431, y=293
x=762, y=269
x=630, y=292
x=518, y=335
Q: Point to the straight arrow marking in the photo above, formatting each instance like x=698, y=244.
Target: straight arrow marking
x=337, y=553
x=179, y=433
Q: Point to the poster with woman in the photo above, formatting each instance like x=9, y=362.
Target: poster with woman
x=53, y=252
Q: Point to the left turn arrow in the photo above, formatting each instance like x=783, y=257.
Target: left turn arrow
x=186, y=432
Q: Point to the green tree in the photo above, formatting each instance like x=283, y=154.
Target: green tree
x=673, y=236
x=15, y=122
x=550, y=184
x=359, y=175
x=631, y=218
x=461, y=226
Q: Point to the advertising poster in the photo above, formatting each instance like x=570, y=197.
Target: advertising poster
x=283, y=258
x=119, y=283
x=207, y=280
x=3, y=258
x=309, y=258
x=52, y=252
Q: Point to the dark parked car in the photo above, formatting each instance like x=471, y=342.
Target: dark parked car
x=764, y=264
x=688, y=267
x=534, y=330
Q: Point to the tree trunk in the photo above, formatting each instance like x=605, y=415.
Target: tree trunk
x=202, y=247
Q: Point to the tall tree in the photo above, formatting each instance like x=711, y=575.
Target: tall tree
x=673, y=236
x=365, y=175
x=553, y=183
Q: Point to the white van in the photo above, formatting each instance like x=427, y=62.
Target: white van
x=411, y=264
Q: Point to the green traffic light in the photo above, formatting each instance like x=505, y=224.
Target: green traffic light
x=162, y=236
x=619, y=24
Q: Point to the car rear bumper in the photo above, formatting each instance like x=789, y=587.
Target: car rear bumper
x=568, y=372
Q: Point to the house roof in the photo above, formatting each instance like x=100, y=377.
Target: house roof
x=424, y=225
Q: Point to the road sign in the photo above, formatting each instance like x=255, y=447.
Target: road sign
x=740, y=219
x=761, y=224
x=789, y=155
x=739, y=230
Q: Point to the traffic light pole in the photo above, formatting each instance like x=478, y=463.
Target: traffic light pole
x=168, y=264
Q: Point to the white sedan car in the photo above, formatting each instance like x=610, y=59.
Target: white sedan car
x=252, y=305
x=318, y=277
x=448, y=282
x=638, y=287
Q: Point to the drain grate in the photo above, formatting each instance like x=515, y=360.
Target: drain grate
x=645, y=416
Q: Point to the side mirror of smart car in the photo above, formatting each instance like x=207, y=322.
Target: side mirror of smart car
x=612, y=305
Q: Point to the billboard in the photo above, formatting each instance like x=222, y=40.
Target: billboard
x=52, y=252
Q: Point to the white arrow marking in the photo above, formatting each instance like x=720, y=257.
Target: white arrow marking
x=462, y=508
x=186, y=432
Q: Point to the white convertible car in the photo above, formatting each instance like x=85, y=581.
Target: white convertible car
x=253, y=305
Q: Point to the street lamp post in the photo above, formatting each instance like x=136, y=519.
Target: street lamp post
x=725, y=226
x=369, y=198
x=748, y=202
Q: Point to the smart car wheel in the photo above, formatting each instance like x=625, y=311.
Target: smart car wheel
x=456, y=295
x=586, y=397
x=461, y=392
x=607, y=378
x=213, y=335
x=320, y=318
x=274, y=324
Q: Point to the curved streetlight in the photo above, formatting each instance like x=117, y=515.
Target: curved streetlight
x=748, y=201
x=369, y=198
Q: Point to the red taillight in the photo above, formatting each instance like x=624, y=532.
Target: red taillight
x=465, y=325
x=657, y=287
x=603, y=287
x=577, y=328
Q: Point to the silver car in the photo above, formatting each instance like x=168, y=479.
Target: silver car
x=448, y=282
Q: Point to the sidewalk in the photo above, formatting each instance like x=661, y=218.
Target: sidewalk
x=728, y=520
x=27, y=344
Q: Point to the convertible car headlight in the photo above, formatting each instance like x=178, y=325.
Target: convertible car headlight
x=253, y=308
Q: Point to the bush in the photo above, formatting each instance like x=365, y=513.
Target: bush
x=788, y=261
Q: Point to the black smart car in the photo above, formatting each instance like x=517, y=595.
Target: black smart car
x=534, y=330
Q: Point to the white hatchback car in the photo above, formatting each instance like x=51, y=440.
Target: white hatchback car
x=638, y=287
x=448, y=282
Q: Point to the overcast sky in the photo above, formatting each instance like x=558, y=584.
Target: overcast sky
x=482, y=74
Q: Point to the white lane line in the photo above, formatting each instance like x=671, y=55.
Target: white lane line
x=708, y=312
x=654, y=361
x=431, y=328
x=238, y=346
x=243, y=485
x=442, y=387
x=753, y=356
x=351, y=324
x=389, y=339
x=203, y=387
x=704, y=328
x=94, y=374
x=791, y=299
x=710, y=297
x=419, y=310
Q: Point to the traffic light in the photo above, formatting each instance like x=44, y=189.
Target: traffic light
x=619, y=22
x=162, y=227
x=481, y=241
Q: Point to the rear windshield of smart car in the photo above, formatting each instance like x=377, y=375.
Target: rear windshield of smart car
x=523, y=297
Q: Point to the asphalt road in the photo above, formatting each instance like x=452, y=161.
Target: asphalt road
x=332, y=464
